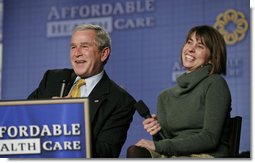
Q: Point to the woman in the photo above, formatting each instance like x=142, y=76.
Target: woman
x=194, y=114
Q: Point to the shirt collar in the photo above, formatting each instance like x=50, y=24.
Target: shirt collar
x=93, y=80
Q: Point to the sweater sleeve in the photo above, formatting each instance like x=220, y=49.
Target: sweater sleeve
x=217, y=105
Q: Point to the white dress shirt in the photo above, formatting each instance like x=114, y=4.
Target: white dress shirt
x=90, y=84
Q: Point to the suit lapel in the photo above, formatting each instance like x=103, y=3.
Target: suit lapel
x=70, y=83
x=98, y=95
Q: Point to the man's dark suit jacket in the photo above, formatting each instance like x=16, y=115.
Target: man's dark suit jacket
x=111, y=109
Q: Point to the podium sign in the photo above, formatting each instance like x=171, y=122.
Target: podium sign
x=45, y=129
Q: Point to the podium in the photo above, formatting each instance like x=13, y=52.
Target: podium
x=55, y=128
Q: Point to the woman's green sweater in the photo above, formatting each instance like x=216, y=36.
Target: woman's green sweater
x=194, y=115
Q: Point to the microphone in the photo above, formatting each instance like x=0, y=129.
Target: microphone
x=63, y=85
x=144, y=112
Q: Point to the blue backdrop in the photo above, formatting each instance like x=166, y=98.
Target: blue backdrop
x=147, y=37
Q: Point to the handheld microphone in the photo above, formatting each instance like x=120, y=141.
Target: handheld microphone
x=144, y=112
x=63, y=85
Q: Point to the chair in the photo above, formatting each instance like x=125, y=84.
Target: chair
x=235, y=133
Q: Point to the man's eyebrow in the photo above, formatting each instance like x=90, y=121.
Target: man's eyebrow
x=72, y=44
x=82, y=43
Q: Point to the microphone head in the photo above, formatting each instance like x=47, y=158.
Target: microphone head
x=142, y=109
x=63, y=81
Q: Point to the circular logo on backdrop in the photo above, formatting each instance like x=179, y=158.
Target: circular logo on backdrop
x=232, y=25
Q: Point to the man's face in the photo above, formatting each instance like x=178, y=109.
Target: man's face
x=86, y=59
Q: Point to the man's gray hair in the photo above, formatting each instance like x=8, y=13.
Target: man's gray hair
x=102, y=37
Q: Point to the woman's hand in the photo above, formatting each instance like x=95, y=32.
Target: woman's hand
x=151, y=125
x=146, y=144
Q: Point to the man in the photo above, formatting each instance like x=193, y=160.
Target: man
x=111, y=107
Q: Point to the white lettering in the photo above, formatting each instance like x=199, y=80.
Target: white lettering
x=45, y=131
x=65, y=28
x=53, y=14
x=12, y=131
x=20, y=146
x=84, y=11
x=134, y=23
x=34, y=130
x=56, y=130
x=65, y=130
x=99, y=10
x=76, y=129
x=118, y=9
x=2, y=131
x=95, y=10
x=106, y=9
x=74, y=12
x=149, y=5
x=76, y=145
x=65, y=12
x=57, y=147
x=47, y=145
x=65, y=145
x=23, y=131
x=130, y=7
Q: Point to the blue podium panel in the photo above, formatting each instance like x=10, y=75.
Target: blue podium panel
x=45, y=129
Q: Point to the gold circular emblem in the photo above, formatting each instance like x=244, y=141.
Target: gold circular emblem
x=237, y=20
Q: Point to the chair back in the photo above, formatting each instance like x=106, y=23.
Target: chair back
x=235, y=133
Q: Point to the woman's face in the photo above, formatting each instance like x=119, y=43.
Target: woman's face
x=194, y=53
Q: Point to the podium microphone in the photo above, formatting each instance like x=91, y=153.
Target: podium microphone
x=63, y=85
x=144, y=112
